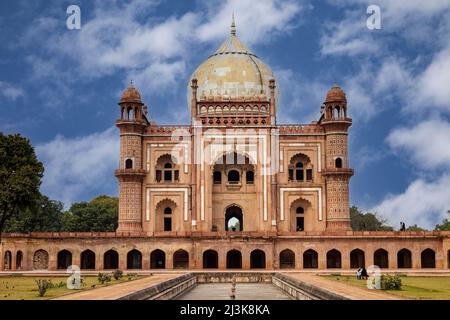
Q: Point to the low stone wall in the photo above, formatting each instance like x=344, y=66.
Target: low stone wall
x=300, y=290
x=226, y=277
x=165, y=290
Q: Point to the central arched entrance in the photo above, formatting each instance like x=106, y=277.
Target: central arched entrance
x=210, y=259
x=257, y=259
x=234, y=219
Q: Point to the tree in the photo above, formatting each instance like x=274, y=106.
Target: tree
x=367, y=221
x=100, y=214
x=444, y=226
x=20, y=175
x=45, y=216
x=415, y=228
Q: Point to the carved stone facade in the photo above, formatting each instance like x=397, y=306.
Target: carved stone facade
x=231, y=187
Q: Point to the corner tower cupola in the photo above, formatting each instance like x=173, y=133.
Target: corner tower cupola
x=233, y=81
x=335, y=105
x=131, y=107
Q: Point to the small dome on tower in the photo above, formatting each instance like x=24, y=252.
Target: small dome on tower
x=131, y=94
x=335, y=94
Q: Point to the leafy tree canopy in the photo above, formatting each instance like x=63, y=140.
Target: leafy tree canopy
x=367, y=221
x=100, y=214
x=444, y=226
x=20, y=175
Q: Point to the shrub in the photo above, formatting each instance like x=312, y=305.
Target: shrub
x=132, y=276
x=103, y=277
x=389, y=282
x=117, y=274
x=43, y=285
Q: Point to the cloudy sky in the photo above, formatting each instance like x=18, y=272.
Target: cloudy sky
x=60, y=87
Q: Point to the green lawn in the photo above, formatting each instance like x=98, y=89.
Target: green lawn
x=25, y=287
x=427, y=288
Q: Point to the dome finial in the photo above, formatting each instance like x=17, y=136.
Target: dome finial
x=233, y=25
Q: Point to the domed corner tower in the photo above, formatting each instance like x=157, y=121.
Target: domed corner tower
x=130, y=174
x=337, y=173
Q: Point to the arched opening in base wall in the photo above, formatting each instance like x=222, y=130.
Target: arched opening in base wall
x=158, y=259
x=134, y=259
x=210, y=259
x=404, y=259
x=7, y=261
x=287, y=259
x=448, y=259
x=19, y=259
x=381, y=258
x=234, y=259
x=310, y=259
x=64, y=259
x=87, y=260
x=357, y=259
x=334, y=260
x=181, y=259
x=257, y=259
x=111, y=260
x=428, y=258
x=40, y=260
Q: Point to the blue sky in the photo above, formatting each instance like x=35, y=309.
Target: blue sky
x=60, y=87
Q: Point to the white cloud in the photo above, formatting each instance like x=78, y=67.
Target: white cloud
x=432, y=86
x=423, y=203
x=426, y=143
x=75, y=167
x=10, y=91
x=257, y=21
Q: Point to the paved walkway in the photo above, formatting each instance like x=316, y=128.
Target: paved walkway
x=347, y=290
x=119, y=290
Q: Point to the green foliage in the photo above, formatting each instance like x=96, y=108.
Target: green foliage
x=415, y=228
x=103, y=277
x=444, y=226
x=20, y=175
x=367, y=221
x=132, y=276
x=43, y=285
x=44, y=216
x=100, y=214
x=389, y=282
x=117, y=274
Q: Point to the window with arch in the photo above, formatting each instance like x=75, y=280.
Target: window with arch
x=250, y=177
x=166, y=169
x=217, y=177
x=167, y=219
x=300, y=219
x=129, y=164
x=300, y=169
x=338, y=163
x=233, y=177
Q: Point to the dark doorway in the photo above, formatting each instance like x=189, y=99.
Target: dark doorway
x=404, y=259
x=210, y=259
x=428, y=258
x=88, y=260
x=134, y=259
x=381, y=259
x=158, y=259
x=234, y=259
x=7, y=260
x=357, y=259
x=19, y=258
x=287, y=259
x=310, y=259
x=111, y=260
x=334, y=260
x=234, y=219
x=257, y=259
x=64, y=259
x=181, y=259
